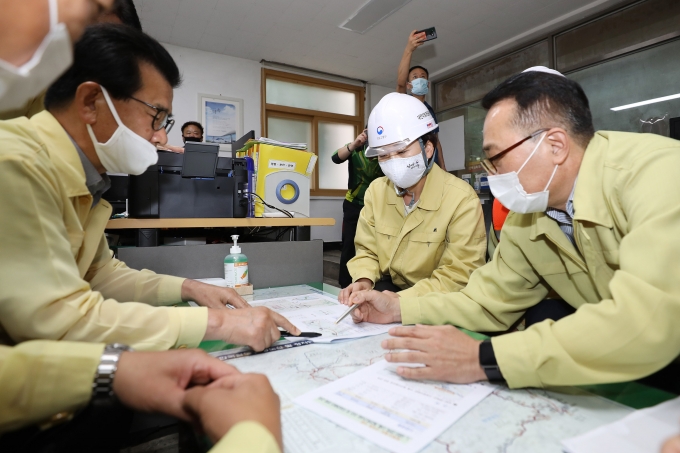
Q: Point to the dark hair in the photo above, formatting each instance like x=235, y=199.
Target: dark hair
x=127, y=13
x=192, y=123
x=546, y=100
x=110, y=54
x=419, y=67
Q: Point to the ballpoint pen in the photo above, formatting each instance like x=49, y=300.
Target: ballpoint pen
x=348, y=311
x=285, y=333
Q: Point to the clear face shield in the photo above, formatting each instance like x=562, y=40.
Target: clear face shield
x=385, y=150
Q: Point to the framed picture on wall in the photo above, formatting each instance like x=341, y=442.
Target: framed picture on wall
x=222, y=118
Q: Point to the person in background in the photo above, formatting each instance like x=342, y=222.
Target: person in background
x=421, y=229
x=122, y=12
x=152, y=381
x=362, y=171
x=413, y=80
x=587, y=223
x=192, y=131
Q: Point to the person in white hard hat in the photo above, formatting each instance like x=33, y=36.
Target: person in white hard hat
x=421, y=229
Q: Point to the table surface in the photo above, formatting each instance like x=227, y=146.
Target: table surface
x=119, y=224
x=525, y=420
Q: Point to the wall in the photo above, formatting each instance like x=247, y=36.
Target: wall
x=374, y=93
x=211, y=73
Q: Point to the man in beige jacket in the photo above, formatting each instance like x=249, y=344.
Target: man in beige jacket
x=45, y=381
x=58, y=277
x=595, y=219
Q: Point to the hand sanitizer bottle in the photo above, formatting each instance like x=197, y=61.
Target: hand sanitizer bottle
x=236, y=266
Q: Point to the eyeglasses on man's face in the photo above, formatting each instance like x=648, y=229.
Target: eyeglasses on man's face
x=488, y=163
x=162, y=119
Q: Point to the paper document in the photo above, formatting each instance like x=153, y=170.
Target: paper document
x=398, y=414
x=318, y=313
x=640, y=432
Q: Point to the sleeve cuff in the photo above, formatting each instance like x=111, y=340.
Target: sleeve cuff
x=193, y=323
x=247, y=437
x=170, y=290
x=409, y=293
x=513, y=355
x=410, y=310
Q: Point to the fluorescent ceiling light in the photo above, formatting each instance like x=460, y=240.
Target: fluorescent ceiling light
x=648, y=101
x=371, y=13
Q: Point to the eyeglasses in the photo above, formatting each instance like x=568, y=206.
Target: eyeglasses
x=162, y=118
x=488, y=163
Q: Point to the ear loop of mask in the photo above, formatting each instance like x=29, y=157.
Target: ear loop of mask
x=531, y=155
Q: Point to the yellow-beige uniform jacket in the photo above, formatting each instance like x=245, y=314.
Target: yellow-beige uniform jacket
x=435, y=248
x=623, y=277
x=42, y=378
x=58, y=279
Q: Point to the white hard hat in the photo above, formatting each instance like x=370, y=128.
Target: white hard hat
x=543, y=69
x=397, y=121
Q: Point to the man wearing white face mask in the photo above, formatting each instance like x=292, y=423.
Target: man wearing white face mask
x=421, y=229
x=58, y=277
x=155, y=381
x=607, y=253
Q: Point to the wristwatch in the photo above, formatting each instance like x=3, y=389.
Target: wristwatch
x=487, y=359
x=102, y=386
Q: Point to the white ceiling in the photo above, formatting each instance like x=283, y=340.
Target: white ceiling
x=305, y=32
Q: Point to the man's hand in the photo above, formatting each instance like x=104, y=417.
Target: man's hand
x=363, y=284
x=447, y=353
x=415, y=40
x=376, y=307
x=211, y=296
x=157, y=381
x=256, y=327
x=246, y=397
x=359, y=141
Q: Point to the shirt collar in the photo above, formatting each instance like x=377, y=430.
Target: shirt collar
x=96, y=183
x=558, y=214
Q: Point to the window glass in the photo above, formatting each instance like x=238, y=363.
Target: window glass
x=331, y=137
x=309, y=97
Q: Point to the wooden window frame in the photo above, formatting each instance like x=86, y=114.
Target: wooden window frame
x=316, y=116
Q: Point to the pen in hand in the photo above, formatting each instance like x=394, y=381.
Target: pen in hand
x=348, y=311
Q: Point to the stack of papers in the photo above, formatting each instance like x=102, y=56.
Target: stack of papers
x=318, y=313
x=269, y=141
x=640, y=432
x=315, y=312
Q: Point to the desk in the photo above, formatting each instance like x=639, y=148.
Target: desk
x=528, y=420
x=148, y=228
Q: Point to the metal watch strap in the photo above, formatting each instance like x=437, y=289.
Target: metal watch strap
x=102, y=386
x=487, y=359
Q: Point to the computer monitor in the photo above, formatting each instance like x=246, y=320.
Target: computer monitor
x=200, y=160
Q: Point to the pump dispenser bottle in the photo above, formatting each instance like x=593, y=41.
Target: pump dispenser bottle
x=236, y=266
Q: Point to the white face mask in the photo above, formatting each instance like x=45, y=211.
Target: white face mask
x=125, y=152
x=509, y=191
x=404, y=172
x=53, y=57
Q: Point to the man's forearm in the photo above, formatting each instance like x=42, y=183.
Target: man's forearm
x=402, y=72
